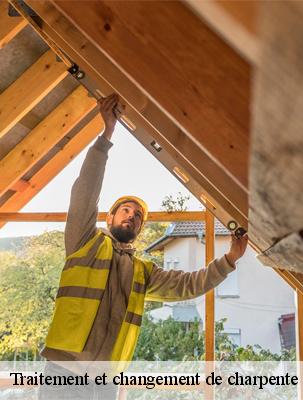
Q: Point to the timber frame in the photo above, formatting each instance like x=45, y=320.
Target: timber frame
x=203, y=135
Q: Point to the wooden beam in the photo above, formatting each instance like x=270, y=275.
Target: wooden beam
x=153, y=216
x=44, y=136
x=210, y=296
x=213, y=79
x=151, y=123
x=48, y=171
x=34, y=84
x=235, y=21
x=9, y=26
x=20, y=186
x=294, y=279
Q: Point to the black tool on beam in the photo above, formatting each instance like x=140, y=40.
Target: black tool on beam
x=240, y=232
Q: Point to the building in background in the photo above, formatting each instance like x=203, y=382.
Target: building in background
x=258, y=304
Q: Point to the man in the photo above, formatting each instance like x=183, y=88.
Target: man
x=103, y=286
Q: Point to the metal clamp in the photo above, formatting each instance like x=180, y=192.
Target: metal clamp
x=76, y=72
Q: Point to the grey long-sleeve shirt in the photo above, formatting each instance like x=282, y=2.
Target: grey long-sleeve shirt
x=162, y=285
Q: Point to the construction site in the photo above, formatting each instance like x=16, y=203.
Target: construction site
x=211, y=89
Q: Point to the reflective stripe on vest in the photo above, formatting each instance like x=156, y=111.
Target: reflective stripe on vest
x=82, y=284
x=128, y=335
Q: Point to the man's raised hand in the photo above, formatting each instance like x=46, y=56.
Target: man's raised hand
x=237, y=248
x=107, y=107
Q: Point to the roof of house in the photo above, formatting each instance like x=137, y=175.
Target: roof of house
x=185, y=229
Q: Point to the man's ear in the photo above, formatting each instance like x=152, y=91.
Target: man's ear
x=109, y=219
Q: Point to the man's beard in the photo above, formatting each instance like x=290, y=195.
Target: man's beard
x=122, y=234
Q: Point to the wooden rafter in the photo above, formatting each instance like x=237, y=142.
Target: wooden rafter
x=20, y=186
x=294, y=279
x=208, y=98
x=34, y=84
x=9, y=27
x=153, y=216
x=54, y=166
x=44, y=136
x=150, y=121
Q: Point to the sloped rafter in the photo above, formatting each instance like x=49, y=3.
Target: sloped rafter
x=54, y=166
x=208, y=98
x=29, y=89
x=44, y=136
x=294, y=279
x=148, y=117
x=9, y=27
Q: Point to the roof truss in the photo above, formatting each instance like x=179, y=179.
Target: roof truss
x=173, y=121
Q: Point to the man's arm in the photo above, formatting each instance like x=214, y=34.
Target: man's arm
x=83, y=209
x=177, y=285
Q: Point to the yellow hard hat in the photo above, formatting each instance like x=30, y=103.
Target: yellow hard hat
x=125, y=199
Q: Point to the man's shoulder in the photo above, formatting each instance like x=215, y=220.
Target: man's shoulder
x=147, y=264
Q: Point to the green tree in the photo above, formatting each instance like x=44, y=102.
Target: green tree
x=150, y=233
x=171, y=204
x=29, y=282
x=176, y=341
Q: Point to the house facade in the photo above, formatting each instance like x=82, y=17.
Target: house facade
x=258, y=305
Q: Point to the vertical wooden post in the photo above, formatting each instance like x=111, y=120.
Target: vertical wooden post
x=209, y=305
x=299, y=326
x=299, y=342
x=210, y=298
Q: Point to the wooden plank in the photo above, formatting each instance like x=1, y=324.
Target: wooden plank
x=34, y=84
x=54, y=166
x=235, y=21
x=210, y=296
x=219, y=186
x=9, y=26
x=44, y=136
x=167, y=59
x=153, y=216
x=20, y=186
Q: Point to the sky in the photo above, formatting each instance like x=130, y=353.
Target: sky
x=130, y=170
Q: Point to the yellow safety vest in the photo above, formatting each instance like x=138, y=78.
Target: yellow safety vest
x=83, y=281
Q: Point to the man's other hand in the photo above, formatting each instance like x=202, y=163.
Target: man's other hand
x=107, y=109
x=237, y=248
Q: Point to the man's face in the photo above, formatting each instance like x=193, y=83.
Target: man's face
x=125, y=224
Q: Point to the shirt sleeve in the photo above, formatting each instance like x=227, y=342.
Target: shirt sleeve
x=83, y=210
x=175, y=285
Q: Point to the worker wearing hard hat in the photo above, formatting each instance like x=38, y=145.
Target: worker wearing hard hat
x=103, y=285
